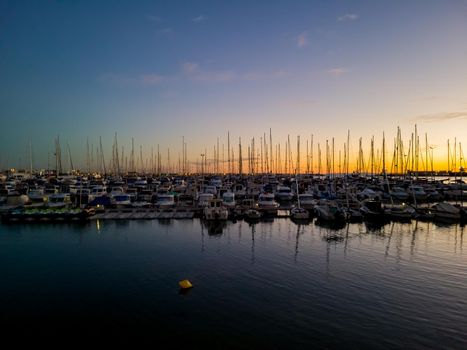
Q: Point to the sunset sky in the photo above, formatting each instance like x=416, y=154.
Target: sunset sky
x=160, y=70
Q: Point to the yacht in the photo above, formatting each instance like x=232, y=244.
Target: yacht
x=328, y=210
x=165, y=201
x=266, y=201
x=418, y=192
x=59, y=200
x=284, y=193
x=215, y=210
x=229, y=199
x=307, y=200
x=37, y=195
x=120, y=199
x=204, y=198
x=446, y=211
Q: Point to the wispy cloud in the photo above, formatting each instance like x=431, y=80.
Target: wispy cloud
x=193, y=71
x=302, y=39
x=347, y=17
x=337, y=72
x=437, y=117
x=200, y=18
x=188, y=71
x=122, y=80
x=150, y=79
x=190, y=67
x=167, y=30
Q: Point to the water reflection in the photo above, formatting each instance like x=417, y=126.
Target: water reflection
x=214, y=228
x=332, y=225
x=253, y=231
x=300, y=231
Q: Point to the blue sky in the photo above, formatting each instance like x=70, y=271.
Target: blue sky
x=158, y=71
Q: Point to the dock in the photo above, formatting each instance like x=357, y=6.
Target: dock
x=143, y=214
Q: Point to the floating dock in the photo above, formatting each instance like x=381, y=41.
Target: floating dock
x=143, y=214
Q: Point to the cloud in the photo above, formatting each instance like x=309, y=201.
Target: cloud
x=122, y=80
x=150, y=79
x=193, y=71
x=189, y=71
x=167, y=30
x=190, y=67
x=437, y=117
x=337, y=72
x=347, y=17
x=200, y=18
x=257, y=76
x=302, y=39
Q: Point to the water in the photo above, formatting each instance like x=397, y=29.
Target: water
x=275, y=284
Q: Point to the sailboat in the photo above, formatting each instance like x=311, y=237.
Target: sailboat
x=299, y=213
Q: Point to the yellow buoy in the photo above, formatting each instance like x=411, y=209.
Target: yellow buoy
x=185, y=284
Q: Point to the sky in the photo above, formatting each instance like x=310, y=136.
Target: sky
x=157, y=71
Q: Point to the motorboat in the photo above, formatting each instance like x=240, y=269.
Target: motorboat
x=284, y=193
x=215, y=210
x=328, y=210
x=229, y=199
x=307, y=200
x=59, y=200
x=204, y=198
x=267, y=201
x=373, y=210
x=402, y=212
x=446, y=211
x=165, y=201
x=120, y=199
x=298, y=213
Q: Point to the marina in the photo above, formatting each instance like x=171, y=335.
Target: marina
x=233, y=174
x=306, y=197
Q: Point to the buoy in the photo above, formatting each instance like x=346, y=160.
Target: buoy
x=185, y=284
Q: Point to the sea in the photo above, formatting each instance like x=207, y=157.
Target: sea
x=273, y=284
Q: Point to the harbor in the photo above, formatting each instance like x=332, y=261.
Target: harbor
x=234, y=174
x=306, y=197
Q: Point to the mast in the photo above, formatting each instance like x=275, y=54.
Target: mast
x=141, y=158
x=311, y=151
x=298, y=155
x=69, y=155
x=270, y=151
x=102, y=155
x=88, y=160
x=348, y=151
x=262, y=164
x=240, y=165
x=384, y=154
x=30, y=156
x=426, y=152
x=319, y=159
x=449, y=152
x=228, y=152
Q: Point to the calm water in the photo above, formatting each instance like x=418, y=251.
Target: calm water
x=274, y=284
